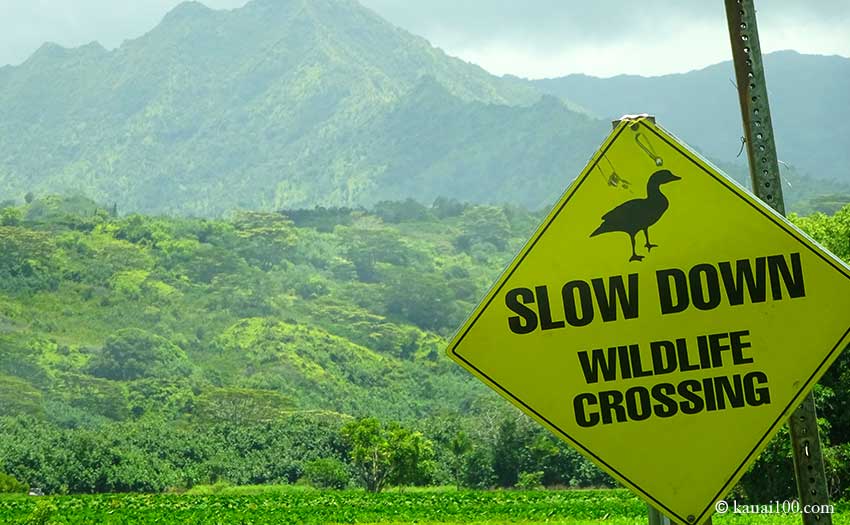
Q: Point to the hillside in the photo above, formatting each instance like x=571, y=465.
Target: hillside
x=144, y=353
x=701, y=107
x=278, y=104
x=141, y=353
x=106, y=317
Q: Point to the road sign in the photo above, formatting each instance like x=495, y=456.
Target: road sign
x=662, y=320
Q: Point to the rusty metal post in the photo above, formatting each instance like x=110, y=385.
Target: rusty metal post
x=767, y=185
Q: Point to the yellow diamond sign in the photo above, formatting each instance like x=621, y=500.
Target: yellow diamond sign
x=662, y=320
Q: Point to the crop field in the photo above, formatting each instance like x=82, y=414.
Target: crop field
x=269, y=507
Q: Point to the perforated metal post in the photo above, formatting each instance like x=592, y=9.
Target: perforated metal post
x=767, y=185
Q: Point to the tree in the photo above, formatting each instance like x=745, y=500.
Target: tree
x=478, y=470
x=28, y=260
x=366, y=248
x=267, y=236
x=383, y=454
x=29, y=197
x=327, y=473
x=10, y=216
x=833, y=232
x=530, y=480
x=444, y=207
x=401, y=211
x=133, y=354
x=411, y=458
x=771, y=476
x=460, y=446
x=141, y=230
x=422, y=299
x=510, y=454
x=483, y=224
x=9, y=485
x=370, y=452
x=561, y=464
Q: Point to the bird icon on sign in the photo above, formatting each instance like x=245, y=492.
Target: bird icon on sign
x=638, y=215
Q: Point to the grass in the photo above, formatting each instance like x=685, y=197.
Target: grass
x=225, y=505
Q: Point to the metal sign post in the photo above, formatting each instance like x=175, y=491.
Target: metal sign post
x=767, y=185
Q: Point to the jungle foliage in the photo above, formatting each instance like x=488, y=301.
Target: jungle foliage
x=144, y=353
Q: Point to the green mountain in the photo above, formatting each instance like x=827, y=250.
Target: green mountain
x=298, y=103
x=278, y=104
x=811, y=125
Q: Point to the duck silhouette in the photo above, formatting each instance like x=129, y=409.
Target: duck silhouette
x=639, y=214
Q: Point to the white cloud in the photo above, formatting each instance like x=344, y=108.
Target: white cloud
x=546, y=38
x=532, y=38
x=26, y=24
x=701, y=45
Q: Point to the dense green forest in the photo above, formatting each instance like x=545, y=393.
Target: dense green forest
x=142, y=353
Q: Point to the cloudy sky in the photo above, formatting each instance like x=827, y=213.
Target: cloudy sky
x=530, y=38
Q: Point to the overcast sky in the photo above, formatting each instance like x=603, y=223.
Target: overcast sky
x=530, y=38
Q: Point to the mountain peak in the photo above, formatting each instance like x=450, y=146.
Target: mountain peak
x=272, y=4
x=50, y=51
x=323, y=9
x=187, y=9
x=279, y=103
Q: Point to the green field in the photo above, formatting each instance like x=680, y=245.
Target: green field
x=268, y=507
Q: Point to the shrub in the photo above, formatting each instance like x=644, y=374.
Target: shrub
x=327, y=473
x=477, y=470
x=132, y=354
x=530, y=481
x=42, y=514
x=9, y=485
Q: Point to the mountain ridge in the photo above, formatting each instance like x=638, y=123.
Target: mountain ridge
x=299, y=104
x=702, y=107
x=215, y=110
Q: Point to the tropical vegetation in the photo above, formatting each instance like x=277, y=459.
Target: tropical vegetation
x=147, y=354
